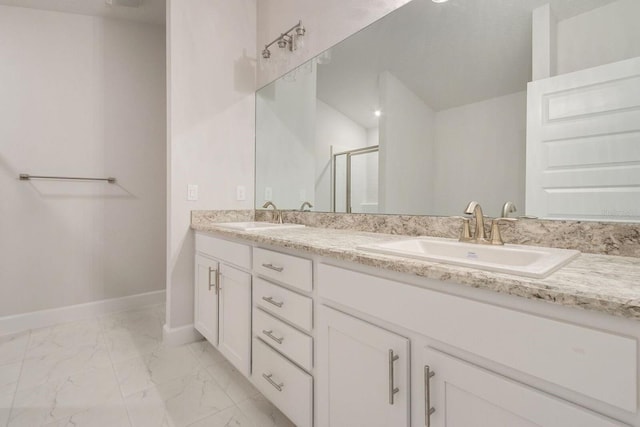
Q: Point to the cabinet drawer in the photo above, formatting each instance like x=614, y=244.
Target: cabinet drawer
x=292, y=343
x=284, y=384
x=231, y=252
x=284, y=303
x=291, y=270
x=597, y=364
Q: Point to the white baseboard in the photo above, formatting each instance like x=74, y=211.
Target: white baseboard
x=180, y=335
x=50, y=317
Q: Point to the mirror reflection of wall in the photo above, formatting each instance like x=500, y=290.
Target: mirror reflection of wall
x=449, y=85
x=285, y=140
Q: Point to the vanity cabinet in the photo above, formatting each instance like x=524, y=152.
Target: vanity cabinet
x=461, y=394
x=282, y=328
x=350, y=346
x=234, y=329
x=364, y=373
x=489, y=362
x=206, y=298
x=223, y=298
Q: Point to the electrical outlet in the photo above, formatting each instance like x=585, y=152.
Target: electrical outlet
x=241, y=192
x=192, y=192
x=268, y=193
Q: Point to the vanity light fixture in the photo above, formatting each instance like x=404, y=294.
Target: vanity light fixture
x=292, y=39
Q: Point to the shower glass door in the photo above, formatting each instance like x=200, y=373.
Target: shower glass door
x=355, y=180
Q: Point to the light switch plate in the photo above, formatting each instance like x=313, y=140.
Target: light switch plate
x=192, y=192
x=241, y=192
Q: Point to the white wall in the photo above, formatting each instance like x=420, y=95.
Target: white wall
x=406, y=149
x=211, y=75
x=80, y=96
x=332, y=129
x=606, y=34
x=285, y=128
x=327, y=22
x=496, y=131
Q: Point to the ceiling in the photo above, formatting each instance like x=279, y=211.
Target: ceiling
x=146, y=11
x=448, y=54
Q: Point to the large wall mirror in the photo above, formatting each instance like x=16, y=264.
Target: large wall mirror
x=531, y=101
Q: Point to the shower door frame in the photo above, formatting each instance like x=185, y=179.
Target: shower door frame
x=349, y=154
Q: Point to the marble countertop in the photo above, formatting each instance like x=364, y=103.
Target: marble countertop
x=604, y=283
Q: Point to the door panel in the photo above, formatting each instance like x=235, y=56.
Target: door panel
x=357, y=374
x=235, y=317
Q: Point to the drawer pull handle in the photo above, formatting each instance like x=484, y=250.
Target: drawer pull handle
x=273, y=267
x=269, y=333
x=217, y=276
x=392, y=389
x=428, y=410
x=272, y=382
x=270, y=300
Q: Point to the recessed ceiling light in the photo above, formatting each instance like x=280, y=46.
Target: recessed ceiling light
x=377, y=113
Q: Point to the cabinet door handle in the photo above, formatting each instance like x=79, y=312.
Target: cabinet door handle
x=392, y=388
x=269, y=333
x=269, y=379
x=273, y=267
x=428, y=410
x=216, y=284
x=270, y=300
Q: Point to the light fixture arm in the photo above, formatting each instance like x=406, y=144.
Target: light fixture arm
x=288, y=38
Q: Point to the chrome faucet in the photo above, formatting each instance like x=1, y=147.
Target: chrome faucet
x=277, y=215
x=304, y=206
x=507, y=208
x=479, y=235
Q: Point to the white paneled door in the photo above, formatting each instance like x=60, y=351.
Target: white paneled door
x=583, y=144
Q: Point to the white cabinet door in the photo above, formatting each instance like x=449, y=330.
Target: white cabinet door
x=462, y=395
x=363, y=373
x=235, y=317
x=206, y=298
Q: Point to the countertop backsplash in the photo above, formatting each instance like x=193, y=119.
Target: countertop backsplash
x=622, y=239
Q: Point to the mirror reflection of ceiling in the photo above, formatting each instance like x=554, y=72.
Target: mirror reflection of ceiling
x=490, y=37
x=145, y=11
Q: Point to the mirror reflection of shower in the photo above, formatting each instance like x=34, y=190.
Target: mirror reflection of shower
x=355, y=180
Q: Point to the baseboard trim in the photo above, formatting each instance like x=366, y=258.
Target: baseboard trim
x=50, y=317
x=180, y=335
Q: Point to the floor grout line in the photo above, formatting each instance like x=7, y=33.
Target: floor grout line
x=15, y=391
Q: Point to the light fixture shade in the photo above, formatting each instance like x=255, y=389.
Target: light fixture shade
x=282, y=43
x=292, y=40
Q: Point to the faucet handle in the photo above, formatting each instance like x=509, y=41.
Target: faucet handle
x=507, y=208
x=465, y=232
x=496, y=237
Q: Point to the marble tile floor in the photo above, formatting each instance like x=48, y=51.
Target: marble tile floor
x=114, y=371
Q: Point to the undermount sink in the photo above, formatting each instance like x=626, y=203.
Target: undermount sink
x=528, y=261
x=256, y=225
